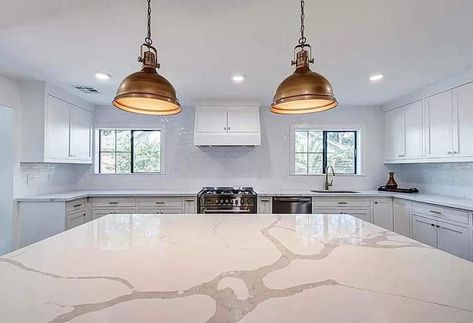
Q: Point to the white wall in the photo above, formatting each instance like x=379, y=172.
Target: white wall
x=9, y=105
x=265, y=167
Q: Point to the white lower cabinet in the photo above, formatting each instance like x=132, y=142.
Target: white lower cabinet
x=98, y=213
x=453, y=239
x=383, y=213
x=363, y=214
x=424, y=230
x=450, y=238
x=75, y=219
x=265, y=205
x=402, y=217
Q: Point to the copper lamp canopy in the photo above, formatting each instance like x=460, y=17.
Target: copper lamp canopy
x=147, y=92
x=304, y=91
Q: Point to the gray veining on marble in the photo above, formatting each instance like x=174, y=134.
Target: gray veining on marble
x=266, y=246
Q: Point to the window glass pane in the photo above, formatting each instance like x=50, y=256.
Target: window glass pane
x=146, y=151
x=107, y=163
x=341, y=151
x=315, y=163
x=301, y=163
x=123, y=163
x=315, y=141
x=107, y=140
x=123, y=140
x=301, y=141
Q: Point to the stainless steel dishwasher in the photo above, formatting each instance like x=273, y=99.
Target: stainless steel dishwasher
x=292, y=205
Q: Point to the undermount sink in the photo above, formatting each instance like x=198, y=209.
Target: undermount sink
x=321, y=191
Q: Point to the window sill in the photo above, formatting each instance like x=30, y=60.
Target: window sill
x=128, y=174
x=323, y=175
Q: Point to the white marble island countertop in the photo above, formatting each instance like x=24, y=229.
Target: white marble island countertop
x=224, y=268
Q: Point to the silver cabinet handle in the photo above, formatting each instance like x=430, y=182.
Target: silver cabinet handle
x=113, y=203
x=77, y=205
x=189, y=200
x=265, y=200
x=435, y=212
x=401, y=155
x=159, y=202
x=342, y=203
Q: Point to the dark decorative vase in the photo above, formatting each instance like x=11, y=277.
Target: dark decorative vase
x=391, y=182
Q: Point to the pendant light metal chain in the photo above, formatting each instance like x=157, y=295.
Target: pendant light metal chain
x=302, y=40
x=148, y=40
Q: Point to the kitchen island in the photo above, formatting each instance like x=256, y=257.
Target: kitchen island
x=227, y=268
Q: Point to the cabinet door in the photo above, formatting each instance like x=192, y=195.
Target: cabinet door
x=439, y=123
x=75, y=219
x=81, y=133
x=402, y=217
x=383, y=213
x=396, y=134
x=453, y=239
x=211, y=120
x=364, y=215
x=57, y=129
x=414, y=130
x=264, y=205
x=243, y=120
x=463, y=121
x=424, y=230
x=190, y=206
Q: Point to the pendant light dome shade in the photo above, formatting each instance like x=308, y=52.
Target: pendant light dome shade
x=147, y=92
x=303, y=92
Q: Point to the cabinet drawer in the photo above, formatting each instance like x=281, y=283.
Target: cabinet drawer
x=160, y=202
x=351, y=202
x=154, y=210
x=75, y=219
x=445, y=213
x=112, y=202
x=102, y=212
x=76, y=206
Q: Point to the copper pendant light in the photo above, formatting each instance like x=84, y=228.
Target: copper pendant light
x=147, y=92
x=304, y=91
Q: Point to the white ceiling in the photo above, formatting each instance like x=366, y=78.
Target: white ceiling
x=202, y=42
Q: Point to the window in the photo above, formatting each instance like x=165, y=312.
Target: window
x=129, y=151
x=316, y=149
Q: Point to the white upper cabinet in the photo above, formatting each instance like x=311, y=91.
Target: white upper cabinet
x=80, y=134
x=55, y=128
x=463, y=121
x=404, y=132
x=211, y=120
x=241, y=120
x=439, y=125
x=439, y=130
x=227, y=125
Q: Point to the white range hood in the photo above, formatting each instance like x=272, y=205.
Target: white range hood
x=227, y=123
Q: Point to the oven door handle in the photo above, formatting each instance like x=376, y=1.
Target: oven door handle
x=225, y=211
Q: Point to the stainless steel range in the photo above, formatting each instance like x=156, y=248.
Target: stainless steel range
x=226, y=200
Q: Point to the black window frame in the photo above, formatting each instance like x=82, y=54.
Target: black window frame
x=132, y=150
x=325, y=150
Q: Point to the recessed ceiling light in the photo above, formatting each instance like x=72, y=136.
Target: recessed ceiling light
x=238, y=78
x=376, y=77
x=102, y=76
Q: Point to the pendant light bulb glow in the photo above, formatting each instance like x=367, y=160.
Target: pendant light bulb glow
x=147, y=92
x=304, y=91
